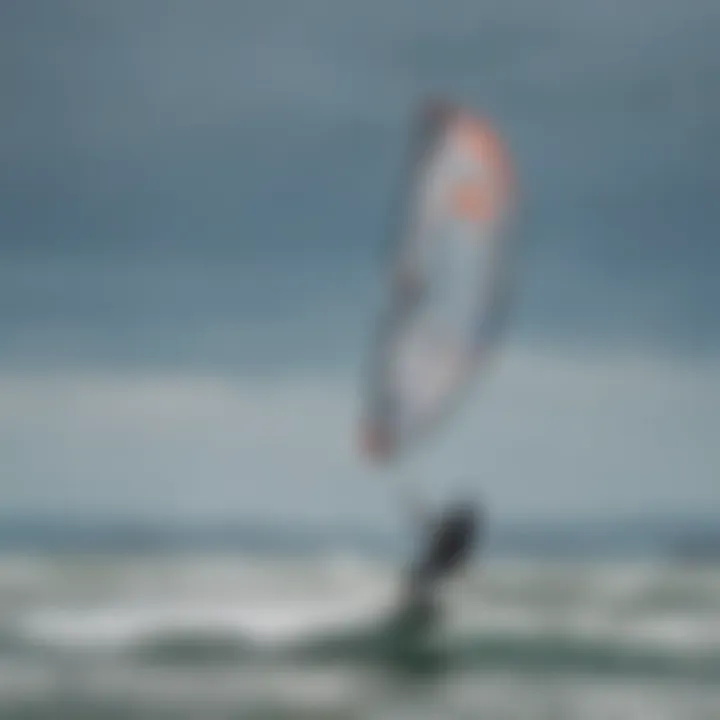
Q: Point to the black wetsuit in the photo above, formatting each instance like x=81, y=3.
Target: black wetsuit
x=451, y=543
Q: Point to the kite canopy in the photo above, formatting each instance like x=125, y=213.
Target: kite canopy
x=446, y=284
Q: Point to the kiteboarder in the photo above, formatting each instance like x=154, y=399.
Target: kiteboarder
x=446, y=302
x=450, y=540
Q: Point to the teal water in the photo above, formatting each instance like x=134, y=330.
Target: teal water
x=232, y=637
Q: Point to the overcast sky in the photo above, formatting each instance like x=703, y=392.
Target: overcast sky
x=194, y=211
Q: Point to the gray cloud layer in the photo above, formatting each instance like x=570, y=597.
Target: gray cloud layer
x=208, y=183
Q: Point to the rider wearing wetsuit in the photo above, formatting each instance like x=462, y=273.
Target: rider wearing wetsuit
x=452, y=539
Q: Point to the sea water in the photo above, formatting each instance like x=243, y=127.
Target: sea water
x=229, y=636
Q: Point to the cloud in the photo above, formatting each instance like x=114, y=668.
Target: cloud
x=266, y=135
x=545, y=434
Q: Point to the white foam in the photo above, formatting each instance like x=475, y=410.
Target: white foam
x=263, y=623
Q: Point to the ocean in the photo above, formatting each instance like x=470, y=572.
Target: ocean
x=230, y=635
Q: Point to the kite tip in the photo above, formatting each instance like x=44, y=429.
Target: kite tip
x=376, y=443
